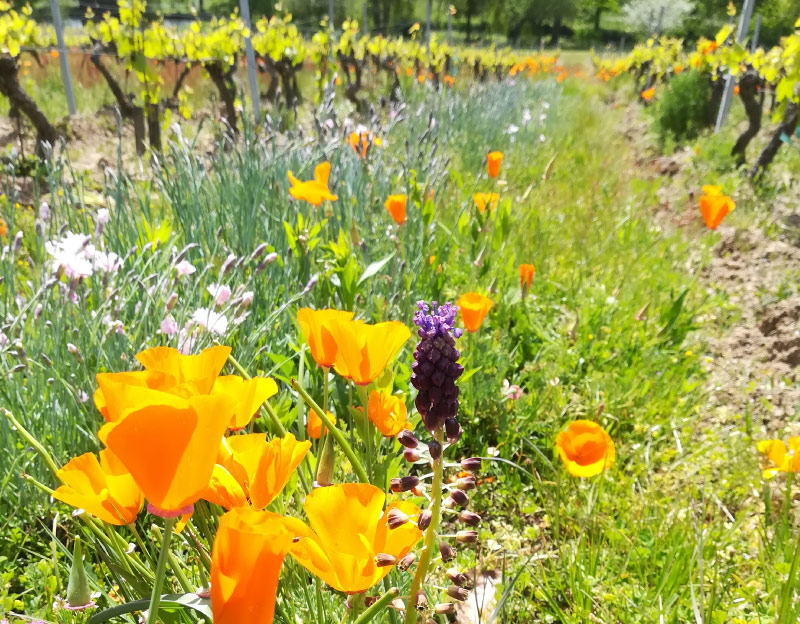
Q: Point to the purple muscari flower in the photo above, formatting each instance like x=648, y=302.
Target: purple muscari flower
x=436, y=367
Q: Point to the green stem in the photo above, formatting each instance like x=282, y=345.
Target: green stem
x=161, y=568
x=332, y=430
x=362, y=392
x=377, y=606
x=430, y=534
x=37, y=446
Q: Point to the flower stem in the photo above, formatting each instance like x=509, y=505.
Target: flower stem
x=378, y=606
x=362, y=392
x=430, y=534
x=333, y=431
x=37, y=446
x=161, y=568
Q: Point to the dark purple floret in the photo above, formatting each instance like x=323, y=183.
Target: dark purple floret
x=436, y=367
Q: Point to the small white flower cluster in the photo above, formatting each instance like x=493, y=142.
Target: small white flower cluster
x=78, y=258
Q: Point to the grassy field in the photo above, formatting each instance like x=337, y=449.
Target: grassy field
x=619, y=326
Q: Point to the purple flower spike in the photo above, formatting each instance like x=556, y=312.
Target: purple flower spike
x=436, y=366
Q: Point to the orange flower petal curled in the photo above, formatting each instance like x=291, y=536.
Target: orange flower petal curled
x=485, y=200
x=276, y=466
x=365, y=350
x=714, y=206
x=474, y=307
x=314, y=424
x=396, y=206
x=313, y=191
x=526, y=272
x=249, y=549
x=347, y=530
x=387, y=412
x=104, y=489
x=247, y=394
x=493, y=161
x=585, y=449
x=203, y=367
x=316, y=327
x=170, y=448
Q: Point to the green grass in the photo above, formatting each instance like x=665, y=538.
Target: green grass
x=611, y=331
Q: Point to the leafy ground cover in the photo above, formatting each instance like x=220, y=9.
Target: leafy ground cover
x=625, y=323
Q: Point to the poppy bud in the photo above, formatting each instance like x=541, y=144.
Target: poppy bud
x=459, y=498
x=78, y=594
x=384, y=560
x=424, y=520
x=396, y=519
x=447, y=551
x=421, y=601
x=457, y=593
x=467, y=483
x=173, y=299
x=467, y=537
x=407, y=439
x=456, y=577
x=326, y=461
x=445, y=608
x=470, y=518
x=411, y=455
x=472, y=464
x=404, y=484
x=435, y=449
x=405, y=563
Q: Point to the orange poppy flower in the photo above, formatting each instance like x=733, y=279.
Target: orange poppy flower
x=409, y=72
x=361, y=142
x=526, y=272
x=449, y=80
x=585, y=448
x=202, y=368
x=648, y=94
x=347, y=531
x=677, y=69
x=365, y=350
x=249, y=546
x=785, y=457
x=3, y=228
x=736, y=90
x=396, y=205
x=485, y=200
x=473, y=308
x=170, y=446
x=313, y=191
x=493, y=163
x=714, y=206
x=561, y=77
x=316, y=327
x=54, y=53
x=104, y=489
x=251, y=469
x=314, y=424
x=387, y=412
x=710, y=47
x=248, y=394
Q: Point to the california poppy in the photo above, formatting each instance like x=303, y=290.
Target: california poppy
x=203, y=367
x=485, y=200
x=316, y=327
x=677, y=69
x=526, y=272
x=251, y=469
x=493, y=161
x=104, y=489
x=248, y=395
x=170, y=446
x=473, y=307
x=365, y=350
x=387, y=412
x=648, y=94
x=449, y=80
x=714, y=206
x=313, y=191
x=396, y=205
x=314, y=424
x=347, y=532
x=585, y=448
x=249, y=549
x=362, y=140
x=784, y=457
x=3, y=229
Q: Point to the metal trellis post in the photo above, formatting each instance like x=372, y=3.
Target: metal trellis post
x=244, y=7
x=741, y=32
x=62, y=57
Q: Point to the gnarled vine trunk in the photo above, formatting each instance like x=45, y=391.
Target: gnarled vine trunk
x=786, y=127
x=21, y=101
x=222, y=77
x=748, y=93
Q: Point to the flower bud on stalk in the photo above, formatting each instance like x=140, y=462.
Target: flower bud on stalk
x=471, y=464
x=424, y=520
x=445, y=608
x=78, y=594
x=411, y=455
x=467, y=483
x=403, y=484
x=457, y=577
x=447, y=551
x=458, y=498
x=384, y=560
x=407, y=439
x=457, y=593
x=435, y=449
x=406, y=562
x=470, y=518
x=421, y=601
x=467, y=537
x=396, y=519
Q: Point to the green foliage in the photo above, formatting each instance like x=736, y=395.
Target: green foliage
x=682, y=109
